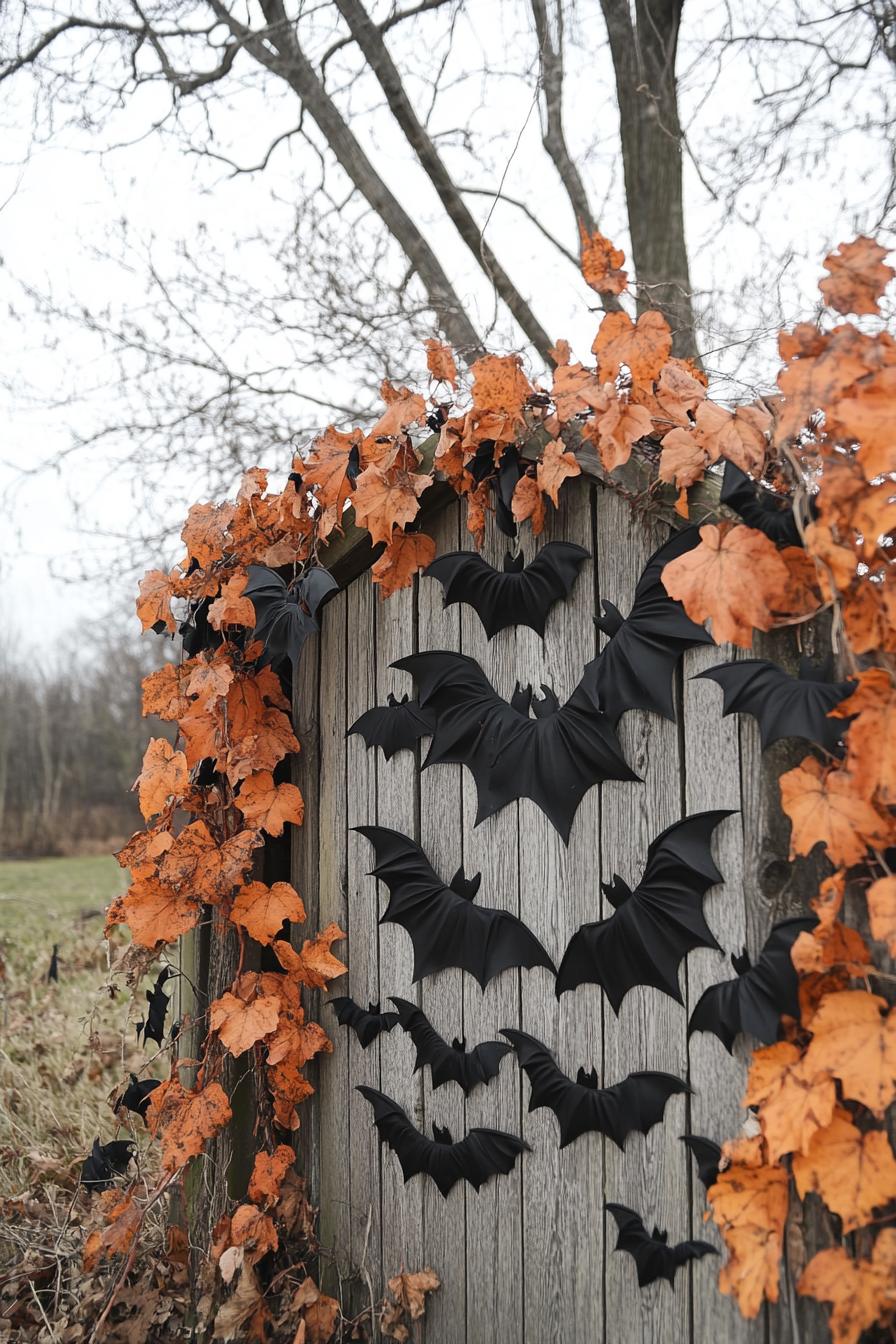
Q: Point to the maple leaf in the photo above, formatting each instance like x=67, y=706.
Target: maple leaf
x=268, y=806
x=866, y=414
x=440, y=361
x=500, y=386
x=854, y=1173
x=156, y=913
x=186, y=1119
x=154, y=601
x=239, y=1024
x=478, y=504
x=261, y=910
x=824, y=806
x=409, y=1292
x=853, y=1039
x=730, y=578
x=122, y=1219
x=615, y=431
x=403, y=408
x=677, y=395
x=330, y=467
x=554, y=467
x=881, y=897
x=829, y=945
x=211, y=678
x=406, y=555
x=144, y=850
x=231, y=608
x=682, y=459
x=643, y=346
x=871, y=741
x=164, y=777
x=869, y=614
x=205, y=532
x=812, y=381
x=254, y=1231
x=601, y=262
x=315, y=965
x=858, y=276
x=860, y=1291
x=208, y=871
x=268, y=1173
x=840, y=561
x=321, y=1313
x=749, y=1205
x=387, y=498
x=165, y=692
x=794, y=1099
x=576, y=390
x=253, y=482
x=528, y=502
x=829, y=901
x=297, y=1040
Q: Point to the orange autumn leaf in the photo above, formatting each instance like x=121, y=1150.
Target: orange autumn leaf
x=869, y=615
x=296, y=1041
x=866, y=414
x=829, y=945
x=881, y=898
x=186, y=1119
x=328, y=467
x=601, y=262
x=813, y=381
x=824, y=807
x=205, y=532
x=315, y=965
x=320, y=1314
x=406, y=555
x=858, y=276
x=121, y=1223
x=731, y=578
x=389, y=497
x=678, y=393
x=144, y=850
x=231, y=608
x=643, y=346
x=853, y=1172
x=793, y=1099
x=165, y=692
x=577, y=391
x=860, y=1291
x=261, y=910
x=268, y=1173
x=154, y=601
x=528, y=502
x=749, y=1206
x=409, y=1292
x=616, y=430
x=801, y=594
x=682, y=460
x=254, y=1231
x=211, y=678
x=871, y=741
x=440, y=361
x=556, y=466
x=164, y=777
x=208, y=871
x=500, y=386
x=240, y=1024
x=268, y=806
x=156, y=913
x=403, y=408
x=854, y=1039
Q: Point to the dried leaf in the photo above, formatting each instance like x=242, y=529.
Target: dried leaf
x=268, y=806
x=824, y=807
x=231, y=608
x=854, y=1173
x=795, y=1099
x=154, y=601
x=261, y=910
x=440, y=361
x=855, y=1040
x=239, y=1024
x=528, y=502
x=185, y=1120
x=643, y=346
x=315, y=965
x=858, y=276
x=732, y=578
x=555, y=466
x=268, y=1173
x=601, y=262
x=163, y=779
x=406, y=555
x=861, y=1291
x=749, y=1206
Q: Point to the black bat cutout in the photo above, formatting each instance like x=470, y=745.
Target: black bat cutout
x=137, y=1094
x=444, y=925
x=755, y=1001
x=286, y=615
x=520, y=595
x=449, y=1063
x=706, y=1154
x=654, y=1258
x=635, y=670
x=153, y=1028
x=784, y=706
x=393, y=727
x=554, y=758
x=106, y=1161
x=365, y=1023
x=638, y=1102
x=482, y=1154
x=759, y=508
x=654, y=926
x=53, y=971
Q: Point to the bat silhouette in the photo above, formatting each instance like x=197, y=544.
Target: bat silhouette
x=445, y=927
x=502, y=480
x=554, y=759
x=136, y=1095
x=755, y=1001
x=706, y=1154
x=106, y=1161
x=153, y=1028
x=759, y=508
x=654, y=1258
x=637, y=1102
x=635, y=670
x=482, y=1154
x=366, y=1024
x=520, y=595
x=449, y=1063
x=783, y=706
x=393, y=727
x=654, y=926
x=286, y=615
x=53, y=971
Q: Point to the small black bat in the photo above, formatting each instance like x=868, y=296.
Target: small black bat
x=286, y=615
x=520, y=595
x=635, y=670
x=365, y=1023
x=153, y=1028
x=482, y=1154
x=554, y=759
x=137, y=1094
x=707, y=1155
x=654, y=926
x=53, y=972
x=638, y=1102
x=449, y=1063
x=445, y=927
x=502, y=480
x=755, y=1001
x=393, y=727
x=784, y=706
x=759, y=508
x=106, y=1161
x=654, y=1258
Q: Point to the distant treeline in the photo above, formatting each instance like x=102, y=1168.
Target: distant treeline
x=71, y=742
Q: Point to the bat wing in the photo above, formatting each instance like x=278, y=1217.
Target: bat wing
x=654, y=1258
x=637, y=1103
x=517, y=595
x=635, y=669
x=707, y=1156
x=758, y=508
x=393, y=727
x=444, y=925
x=449, y=1063
x=654, y=926
x=554, y=759
x=285, y=617
x=106, y=1161
x=367, y=1023
x=137, y=1094
x=488, y=1152
x=784, y=706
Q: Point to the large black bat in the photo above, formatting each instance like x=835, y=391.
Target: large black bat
x=784, y=706
x=393, y=727
x=638, y=1102
x=106, y=1161
x=759, y=508
x=520, y=595
x=137, y=1095
x=365, y=1023
x=554, y=759
x=706, y=1154
x=482, y=1154
x=654, y=1258
x=449, y=1063
x=755, y=1001
x=636, y=668
x=153, y=1028
x=654, y=926
x=445, y=927
x=286, y=615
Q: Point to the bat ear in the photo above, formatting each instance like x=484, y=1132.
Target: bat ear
x=465, y=886
x=391, y=700
x=521, y=699
x=548, y=704
x=660, y=1236
x=441, y=1135
x=460, y=1044
x=741, y=963
x=513, y=564
x=617, y=892
x=587, y=1079
x=610, y=620
x=374, y=1009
